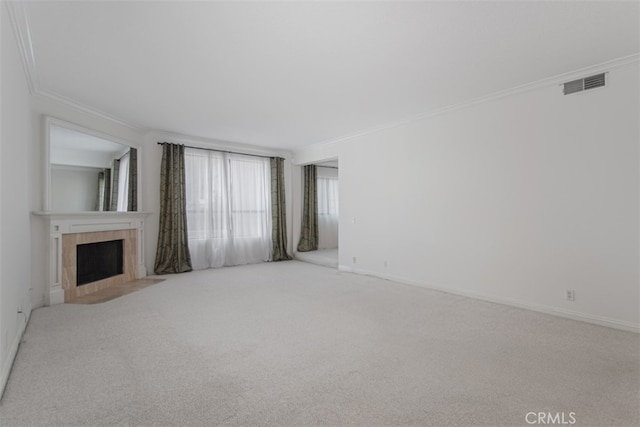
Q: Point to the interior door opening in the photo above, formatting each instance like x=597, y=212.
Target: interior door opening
x=328, y=213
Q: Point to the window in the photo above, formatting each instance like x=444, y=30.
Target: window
x=327, y=189
x=228, y=208
x=328, y=195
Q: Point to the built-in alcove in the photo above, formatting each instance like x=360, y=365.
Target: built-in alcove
x=327, y=215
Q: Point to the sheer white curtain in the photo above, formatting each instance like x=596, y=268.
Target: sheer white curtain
x=327, y=208
x=123, y=184
x=228, y=208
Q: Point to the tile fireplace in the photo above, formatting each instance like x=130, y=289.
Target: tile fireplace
x=69, y=231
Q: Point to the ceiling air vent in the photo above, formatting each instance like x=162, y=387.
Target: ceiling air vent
x=587, y=83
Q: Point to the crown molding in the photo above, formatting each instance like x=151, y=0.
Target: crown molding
x=549, y=81
x=83, y=108
x=21, y=27
x=20, y=23
x=22, y=30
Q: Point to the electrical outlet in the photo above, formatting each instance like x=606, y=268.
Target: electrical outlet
x=354, y=260
x=571, y=295
x=386, y=264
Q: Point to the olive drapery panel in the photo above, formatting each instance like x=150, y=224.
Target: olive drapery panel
x=172, y=255
x=132, y=190
x=278, y=211
x=309, y=230
x=115, y=173
x=104, y=190
x=107, y=190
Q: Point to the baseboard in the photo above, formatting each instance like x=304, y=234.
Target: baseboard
x=13, y=351
x=56, y=296
x=567, y=314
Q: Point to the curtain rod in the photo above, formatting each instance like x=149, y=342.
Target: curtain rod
x=328, y=167
x=221, y=151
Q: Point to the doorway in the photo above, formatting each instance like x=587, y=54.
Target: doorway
x=327, y=205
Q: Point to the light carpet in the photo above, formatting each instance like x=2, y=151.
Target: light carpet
x=297, y=344
x=324, y=257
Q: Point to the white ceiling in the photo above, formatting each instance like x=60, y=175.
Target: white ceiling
x=289, y=74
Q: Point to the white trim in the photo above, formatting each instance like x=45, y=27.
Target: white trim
x=549, y=81
x=316, y=161
x=49, y=120
x=47, y=94
x=22, y=30
x=46, y=164
x=90, y=214
x=24, y=307
x=20, y=23
x=59, y=223
x=13, y=351
x=56, y=296
x=76, y=168
x=567, y=314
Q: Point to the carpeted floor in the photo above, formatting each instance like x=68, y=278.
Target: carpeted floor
x=324, y=257
x=297, y=344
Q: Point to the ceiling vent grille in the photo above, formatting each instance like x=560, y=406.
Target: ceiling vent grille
x=587, y=83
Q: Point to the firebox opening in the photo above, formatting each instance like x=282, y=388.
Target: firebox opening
x=97, y=261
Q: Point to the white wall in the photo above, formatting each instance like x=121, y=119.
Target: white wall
x=515, y=199
x=74, y=189
x=16, y=145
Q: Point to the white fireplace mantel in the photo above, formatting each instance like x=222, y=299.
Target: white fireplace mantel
x=60, y=223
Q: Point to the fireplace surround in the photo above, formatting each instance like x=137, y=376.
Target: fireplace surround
x=65, y=231
x=70, y=244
